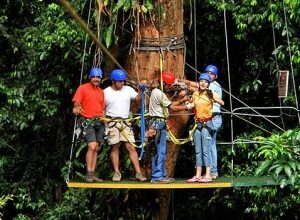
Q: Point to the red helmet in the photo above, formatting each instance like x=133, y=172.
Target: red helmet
x=168, y=77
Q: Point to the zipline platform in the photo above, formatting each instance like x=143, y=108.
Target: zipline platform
x=221, y=182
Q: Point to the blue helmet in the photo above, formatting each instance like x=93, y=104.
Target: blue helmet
x=96, y=72
x=118, y=75
x=213, y=69
x=205, y=76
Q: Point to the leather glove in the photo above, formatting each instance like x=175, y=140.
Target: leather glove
x=77, y=109
x=190, y=105
x=210, y=94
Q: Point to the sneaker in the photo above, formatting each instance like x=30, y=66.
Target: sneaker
x=140, y=177
x=163, y=180
x=171, y=179
x=214, y=177
x=205, y=180
x=117, y=177
x=194, y=180
x=91, y=177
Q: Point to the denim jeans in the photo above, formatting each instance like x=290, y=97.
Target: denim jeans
x=202, y=138
x=217, y=123
x=159, y=159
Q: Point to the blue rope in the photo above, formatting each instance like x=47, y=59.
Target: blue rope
x=143, y=129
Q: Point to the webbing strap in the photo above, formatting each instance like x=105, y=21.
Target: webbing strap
x=143, y=129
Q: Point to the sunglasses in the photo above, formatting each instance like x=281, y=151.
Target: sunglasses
x=95, y=77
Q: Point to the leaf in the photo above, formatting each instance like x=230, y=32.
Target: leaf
x=108, y=36
x=263, y=167
x=287, y=170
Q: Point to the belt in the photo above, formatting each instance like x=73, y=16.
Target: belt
x=203, y=120
x=216, y=113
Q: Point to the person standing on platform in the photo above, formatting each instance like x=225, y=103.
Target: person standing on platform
x=159, y=106
x=203, y=100
x=88, y=102
x=215, y=87
x=118, y=97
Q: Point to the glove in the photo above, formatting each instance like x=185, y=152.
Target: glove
x=77, y=110
x=190, y=105
x=143, y=86
x=210, y=94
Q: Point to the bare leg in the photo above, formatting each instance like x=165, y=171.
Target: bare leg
x=198, y=171
x=133, y=157
x=91, y=156
x=114, y=156
x=207, y=172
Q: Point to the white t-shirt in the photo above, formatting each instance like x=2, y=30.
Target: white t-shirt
x=215, y=87
x=158, y=104
x=117, y=102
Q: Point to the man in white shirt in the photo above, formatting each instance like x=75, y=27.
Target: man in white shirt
x=117, y=106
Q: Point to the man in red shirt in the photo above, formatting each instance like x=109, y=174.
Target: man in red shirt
x=88, y=101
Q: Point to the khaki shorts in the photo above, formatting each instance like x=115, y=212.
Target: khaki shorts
x=119, y=131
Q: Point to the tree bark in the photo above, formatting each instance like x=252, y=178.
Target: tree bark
x=145, y=63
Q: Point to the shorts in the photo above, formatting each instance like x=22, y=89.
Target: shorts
x=119, y=131
x=95, y=132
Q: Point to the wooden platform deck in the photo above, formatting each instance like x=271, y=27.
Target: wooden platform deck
x=222, y=182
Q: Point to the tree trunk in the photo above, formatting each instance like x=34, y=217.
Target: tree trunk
x=144, y=62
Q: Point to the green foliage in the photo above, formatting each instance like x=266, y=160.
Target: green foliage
x=3, y=201
x=281, y=155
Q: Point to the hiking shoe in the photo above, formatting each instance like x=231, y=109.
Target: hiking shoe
x=117, y=177
x=91, y=177
x=171, y=179
x=140, y=177
x=163, y=180
x=214, y=177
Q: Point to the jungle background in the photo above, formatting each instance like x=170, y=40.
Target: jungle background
x=40, y=65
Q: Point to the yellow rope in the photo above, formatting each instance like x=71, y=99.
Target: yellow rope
x=177, y=141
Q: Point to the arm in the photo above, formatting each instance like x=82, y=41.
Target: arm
x=77, y=108
x=142, y=87
x=193, y=86
x=217, y=99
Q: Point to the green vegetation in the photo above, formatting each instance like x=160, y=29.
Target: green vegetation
x=40, y=65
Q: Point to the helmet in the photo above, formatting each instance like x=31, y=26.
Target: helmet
x=118, y=75
x=168, y=77
x=95, y=72
x=213, y=69
x=204, y=76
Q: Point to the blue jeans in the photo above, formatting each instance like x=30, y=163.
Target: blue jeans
x=202, y=138
x=159, y=159
x=217, y=123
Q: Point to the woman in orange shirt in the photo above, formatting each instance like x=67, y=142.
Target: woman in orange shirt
x=203, y=100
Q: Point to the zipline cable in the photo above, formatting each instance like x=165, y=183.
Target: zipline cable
x=276, y=63
x=229, y=80
x=80, y=82
x=195, y=37
x=290, y=55
x=230, y=95
x=74, y=14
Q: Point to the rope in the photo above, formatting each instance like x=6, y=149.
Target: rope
x=195, y=38
x=277, y=66
x=228, y=74
x=143, y=129
x=74, y=14
x=80, y=82
x=232, y=96
x=290, y=55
